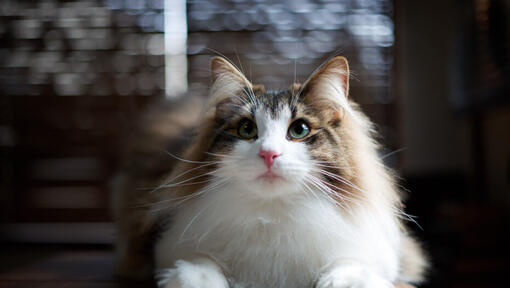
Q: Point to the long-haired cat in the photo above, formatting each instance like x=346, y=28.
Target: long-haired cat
x=276, y=189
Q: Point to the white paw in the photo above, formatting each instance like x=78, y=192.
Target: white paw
x=200, y=274
x=352, y=276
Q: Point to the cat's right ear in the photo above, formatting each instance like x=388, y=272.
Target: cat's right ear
x=227, y=80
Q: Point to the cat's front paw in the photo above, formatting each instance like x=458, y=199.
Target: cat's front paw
x=200, y=274
x=352, y=276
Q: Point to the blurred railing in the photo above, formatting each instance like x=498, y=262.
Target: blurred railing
x=59, y=152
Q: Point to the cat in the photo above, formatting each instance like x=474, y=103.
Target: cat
x=276, y=189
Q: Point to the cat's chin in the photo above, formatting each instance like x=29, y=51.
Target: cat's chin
x=270, y=177
x=272, y=185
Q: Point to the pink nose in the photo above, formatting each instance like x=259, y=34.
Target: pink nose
x=268, y=156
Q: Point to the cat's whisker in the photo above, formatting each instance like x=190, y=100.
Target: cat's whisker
x=250, y=93
x=218, y=53
x=182, y=174
x=180, y=200
x=295, y=75
x=181, y=237
x=398, y=212
x=313, y=180
x=340, y=200
x=327, y=165
x=329, y=189
x=189, y=161
x=216, y=185
x=298, y=94
x=300, y=168
x=392, y=153
x=189, y=183
x=188, y=171
x=251, y=96
x=165, y=202
x=309, y=189
x=243, y=107
x=189, y=179
x=327, y=193
x=222, y=155
x=239, y=60
x=339, y=189
x=206, y=190
x=222, y=183
x=338, y=178
x=404, y=216
x=243, y=100
x=345, y=194
x=174, y=185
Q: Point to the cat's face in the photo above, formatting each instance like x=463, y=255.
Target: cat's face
x=275, y=142
x=268, y=142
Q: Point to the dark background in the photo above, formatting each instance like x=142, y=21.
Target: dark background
x=76, y=75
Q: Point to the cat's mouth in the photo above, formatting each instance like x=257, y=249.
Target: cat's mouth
x=270, y=176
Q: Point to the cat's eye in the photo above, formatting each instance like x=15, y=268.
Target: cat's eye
x=298, y=130
x=247, y=129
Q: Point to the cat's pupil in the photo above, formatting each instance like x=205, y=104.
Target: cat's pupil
x=299, y=129
x=248, y=128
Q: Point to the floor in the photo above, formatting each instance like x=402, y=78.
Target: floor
x=66, y=266
x=75, y=266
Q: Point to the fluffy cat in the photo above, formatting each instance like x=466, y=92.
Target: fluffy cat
x=277, y=189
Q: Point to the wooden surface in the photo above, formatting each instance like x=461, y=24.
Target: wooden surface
x=55, y=266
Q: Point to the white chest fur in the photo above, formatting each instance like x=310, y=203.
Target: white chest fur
x=279, y=243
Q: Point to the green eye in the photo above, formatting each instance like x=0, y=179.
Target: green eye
x=247, y=129
x=299, y=129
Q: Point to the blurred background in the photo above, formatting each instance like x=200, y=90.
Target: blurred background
x=76, y=75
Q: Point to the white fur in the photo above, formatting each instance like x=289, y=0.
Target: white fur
x=203, y=273
x=280, y=234
x=346, y=275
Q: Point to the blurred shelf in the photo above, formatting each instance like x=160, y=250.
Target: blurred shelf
x=70, y=266
x=67, y=233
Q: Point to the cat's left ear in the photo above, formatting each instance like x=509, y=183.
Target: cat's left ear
x=329, y=82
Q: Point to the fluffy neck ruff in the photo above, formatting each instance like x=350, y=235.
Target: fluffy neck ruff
x=288, y=241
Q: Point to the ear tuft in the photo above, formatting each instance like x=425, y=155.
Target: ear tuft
x=340, y=67
x=295, y=87
x=222, y=67
x=334, y=72
x=328, y=87
x=227, y=81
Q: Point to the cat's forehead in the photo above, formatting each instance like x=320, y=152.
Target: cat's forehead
x=274, y=102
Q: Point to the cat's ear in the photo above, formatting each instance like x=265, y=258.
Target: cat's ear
x=221, y=67
x=330, y=81
x=227, y=80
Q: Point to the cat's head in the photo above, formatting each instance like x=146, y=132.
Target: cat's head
x=278, y=142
